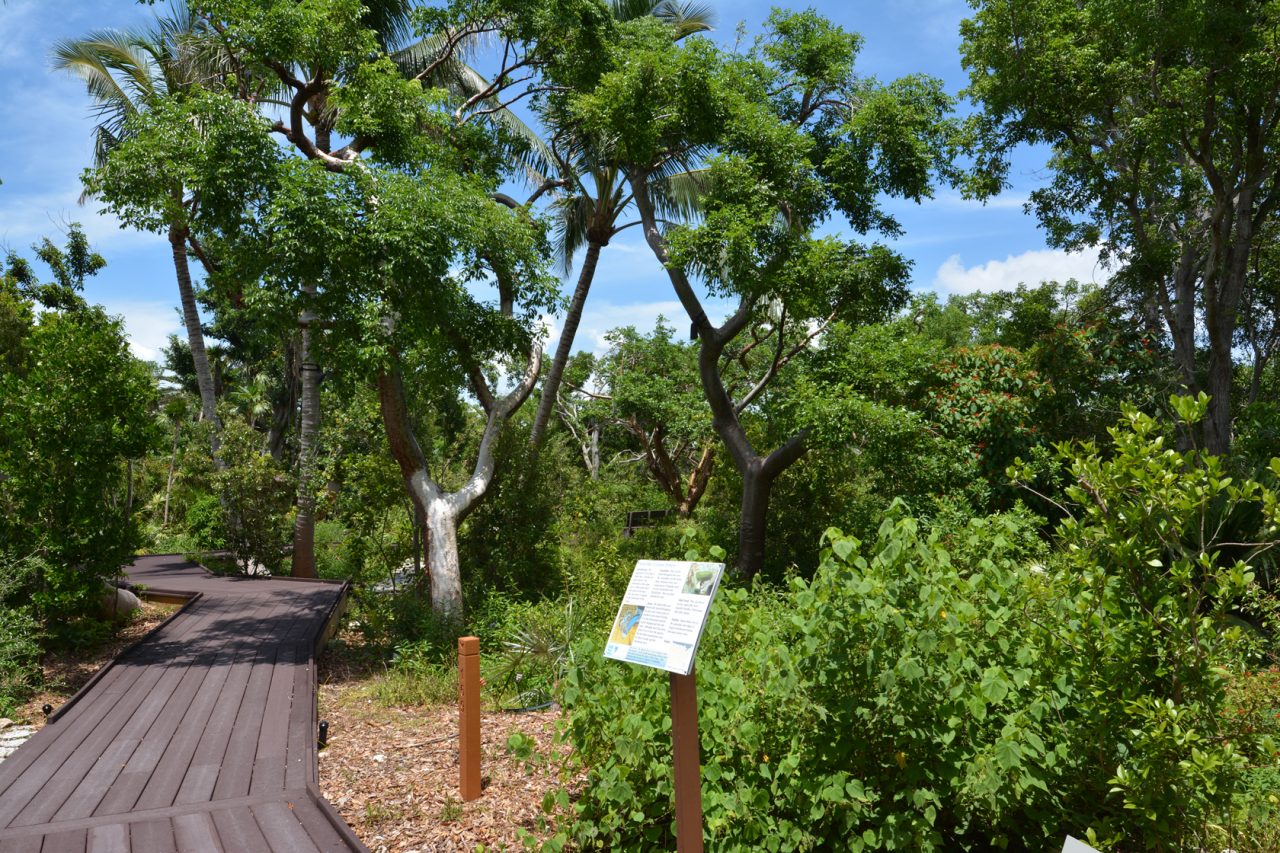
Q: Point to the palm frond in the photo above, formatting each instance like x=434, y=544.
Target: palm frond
x=462, y=81
x=685, y=18
x=572, y=216
x=679, y=195
x=118, y=73
x=390, y=20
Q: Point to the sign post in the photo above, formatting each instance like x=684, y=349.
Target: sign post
x=686, y=759
x=659, y=624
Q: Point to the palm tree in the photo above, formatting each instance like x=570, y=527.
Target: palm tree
x=598, y=195
x=125, y=74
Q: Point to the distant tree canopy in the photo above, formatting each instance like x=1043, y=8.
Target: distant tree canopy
x=1164, y=122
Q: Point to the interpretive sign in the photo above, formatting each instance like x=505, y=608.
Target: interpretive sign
x=663, y=613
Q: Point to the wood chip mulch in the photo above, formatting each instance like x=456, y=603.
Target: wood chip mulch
x=392, y=773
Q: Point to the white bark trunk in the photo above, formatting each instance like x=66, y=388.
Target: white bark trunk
x=442, y=549
x=444, y=510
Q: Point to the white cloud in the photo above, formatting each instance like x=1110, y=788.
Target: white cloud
x=148, y=324
x=1030, y=268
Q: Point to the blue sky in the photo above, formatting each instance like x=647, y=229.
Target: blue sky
x=45, y=129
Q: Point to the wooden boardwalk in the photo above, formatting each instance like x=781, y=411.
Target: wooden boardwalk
x=200, y=738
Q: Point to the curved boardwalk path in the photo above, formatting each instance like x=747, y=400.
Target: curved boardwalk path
x=200, y=738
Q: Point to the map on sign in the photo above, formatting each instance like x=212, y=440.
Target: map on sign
x=663, y=613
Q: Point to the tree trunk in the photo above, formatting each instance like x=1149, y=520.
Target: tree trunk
x=195, y=340
x=752, y=519
x=696, y=485
x=415, y=519
x=442, y=557
x=758, y=472
x=444, y=510
x=284, y=407
x=304, y=524
x=593, y=452
x=551, y=387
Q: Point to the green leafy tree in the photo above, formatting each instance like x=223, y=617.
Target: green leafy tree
x=789, y=137
x=127, y=73
x=989, y=397
x=650, y=391
x=395, y=212
x=1164, y=122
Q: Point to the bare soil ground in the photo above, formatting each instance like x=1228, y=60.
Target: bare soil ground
x=66, y=671
x=392, y=772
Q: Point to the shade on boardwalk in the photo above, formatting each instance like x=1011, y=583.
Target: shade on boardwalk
x=201, y=738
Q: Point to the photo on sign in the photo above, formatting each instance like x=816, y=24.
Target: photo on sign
x=700, y=580
x=624, y=627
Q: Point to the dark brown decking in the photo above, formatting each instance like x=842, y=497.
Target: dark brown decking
x=200, y=738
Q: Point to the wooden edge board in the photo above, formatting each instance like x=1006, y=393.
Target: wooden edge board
x=331, y=619
x=158, y=594
x=149, y=814
x=192, y=598
x=341, y=826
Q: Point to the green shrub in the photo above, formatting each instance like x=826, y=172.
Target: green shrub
x=205, y=525
x=882, y=705
x=958, y=688
x=256, y=498
x=331, y=552
x=19, y=657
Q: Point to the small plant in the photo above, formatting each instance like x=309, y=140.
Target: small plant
x=525, y=750
x=377, y=812
x=415, y=679
x=451, y=811
x=537, y=652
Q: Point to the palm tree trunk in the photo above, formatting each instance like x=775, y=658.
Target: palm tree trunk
x=195, y=339
x=572, y=318
x=304, y=525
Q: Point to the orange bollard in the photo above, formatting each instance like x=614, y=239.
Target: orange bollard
x=469, y=717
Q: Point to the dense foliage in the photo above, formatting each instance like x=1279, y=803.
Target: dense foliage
x=964, y=687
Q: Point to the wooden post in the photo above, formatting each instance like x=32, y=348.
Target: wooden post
x=469, y=717
x=685, y=751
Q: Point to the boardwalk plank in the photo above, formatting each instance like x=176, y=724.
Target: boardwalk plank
x=77, y=741
x=197, y=785
x=73, y=841
x=300, y=756
x=317, y=825
x=195, y=834
x=281, y=827
x=237, y=765
x=239, y=830
x=30, y=844
x=125, y=794
x=182, y=735
x=273, y=737
x=153, y=836
x=109, y=838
